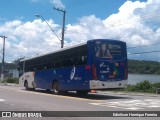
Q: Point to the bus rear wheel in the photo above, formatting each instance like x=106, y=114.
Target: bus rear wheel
x=48, y=90
x=56, y=89
x=82, y=92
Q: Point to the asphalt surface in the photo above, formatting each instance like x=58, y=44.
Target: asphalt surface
x=15, y=98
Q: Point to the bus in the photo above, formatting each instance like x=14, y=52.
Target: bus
x=97, y=64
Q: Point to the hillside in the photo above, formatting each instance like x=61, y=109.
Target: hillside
x=143, y=67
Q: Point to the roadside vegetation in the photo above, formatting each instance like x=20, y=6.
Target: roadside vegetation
x=11, y=80
x=145, y=87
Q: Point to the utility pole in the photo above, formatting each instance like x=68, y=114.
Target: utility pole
x=63, y=26
x=2, y=70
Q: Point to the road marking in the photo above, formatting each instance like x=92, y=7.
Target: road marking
x=60, y=96
x=131, y=104
x=1, y=100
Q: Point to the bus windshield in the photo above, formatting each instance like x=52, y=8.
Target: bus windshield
x=110, y=50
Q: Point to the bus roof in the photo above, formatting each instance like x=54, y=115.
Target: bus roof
x=62, y=49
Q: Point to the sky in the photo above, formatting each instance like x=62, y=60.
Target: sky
x=136, y=22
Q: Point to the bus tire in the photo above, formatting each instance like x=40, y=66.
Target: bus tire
x=64, y=92
x=56, y=89
x=82, y=92
x=26, y=85
x=48, y=90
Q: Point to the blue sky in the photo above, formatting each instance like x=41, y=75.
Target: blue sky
x=26, y=9
x=135, y=22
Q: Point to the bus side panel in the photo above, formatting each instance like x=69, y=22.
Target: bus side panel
x=43, y=79
x=70, y=78
x=74, y=78
x=78, y=77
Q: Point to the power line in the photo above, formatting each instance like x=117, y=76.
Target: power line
x=129, y=36
x=138, y=45
x=129, y=47
x=149, y=33
x=137, y=53
x=98, y=27
x=143, y=45
x=142, y=17
x=120, y=23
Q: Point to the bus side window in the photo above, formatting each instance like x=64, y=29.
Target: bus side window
x=71, y=61
x=84, y=59
x=76, y=61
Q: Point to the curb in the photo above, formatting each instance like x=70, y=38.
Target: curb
x=8, y=84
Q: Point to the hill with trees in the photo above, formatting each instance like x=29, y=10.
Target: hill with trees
x=143, y=67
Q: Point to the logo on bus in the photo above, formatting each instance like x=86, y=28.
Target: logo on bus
x=102, y=63
x=72, y=73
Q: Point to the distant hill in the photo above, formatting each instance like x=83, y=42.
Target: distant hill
x=143, y=67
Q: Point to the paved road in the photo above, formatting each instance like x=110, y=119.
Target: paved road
x=14, y=98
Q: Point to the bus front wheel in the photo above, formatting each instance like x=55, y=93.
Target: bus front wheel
x=56, y=89
x=26, y=85
x=27, y=88
x=82, y=92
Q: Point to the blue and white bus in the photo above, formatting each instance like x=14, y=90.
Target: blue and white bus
x=95, y=65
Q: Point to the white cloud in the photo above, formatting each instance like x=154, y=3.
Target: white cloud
x=133, y=24
x=58, y=4
x=26, y=39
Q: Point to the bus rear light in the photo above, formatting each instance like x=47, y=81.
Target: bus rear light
x=94, y=74
x=87, y=67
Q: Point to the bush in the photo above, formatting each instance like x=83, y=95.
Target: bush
x=144, y=86
x=11, y=80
